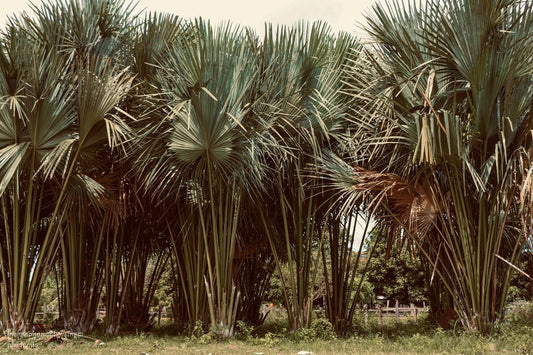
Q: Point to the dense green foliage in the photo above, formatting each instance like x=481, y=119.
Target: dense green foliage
x=141, y=149
x=397, y=276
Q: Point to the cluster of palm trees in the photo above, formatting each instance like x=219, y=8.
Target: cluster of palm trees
x=133, y=143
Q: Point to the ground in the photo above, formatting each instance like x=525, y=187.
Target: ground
x=516, y=340
x=395, y=336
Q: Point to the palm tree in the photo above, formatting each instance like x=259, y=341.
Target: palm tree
x=58, y=110
x=199, y=149
x=443, y=144
x=302, y=80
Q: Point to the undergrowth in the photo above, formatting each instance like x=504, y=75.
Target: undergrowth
x=394, y=336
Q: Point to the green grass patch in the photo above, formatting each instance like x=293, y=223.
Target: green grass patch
x=393, y=338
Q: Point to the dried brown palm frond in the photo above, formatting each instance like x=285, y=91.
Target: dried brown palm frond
x=408, y=203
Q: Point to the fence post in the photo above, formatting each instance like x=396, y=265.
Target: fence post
x=380, y=315
x=397, y=310
x=416, y=315
x=365, y=311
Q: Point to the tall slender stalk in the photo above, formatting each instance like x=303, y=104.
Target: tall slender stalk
x=341, y=261
x=302, y=230
x=81, y=253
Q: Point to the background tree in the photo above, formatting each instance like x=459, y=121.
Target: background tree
x=396, y=274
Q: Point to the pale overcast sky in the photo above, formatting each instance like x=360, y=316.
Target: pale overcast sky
x=342, y=15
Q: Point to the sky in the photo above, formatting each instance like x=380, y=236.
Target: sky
x=342, y=15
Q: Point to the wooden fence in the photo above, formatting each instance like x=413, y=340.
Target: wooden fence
x=380, y=311
x=395, y=311
x=158, y=313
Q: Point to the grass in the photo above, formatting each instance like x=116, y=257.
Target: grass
x=519, y=342
x=394, y=337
